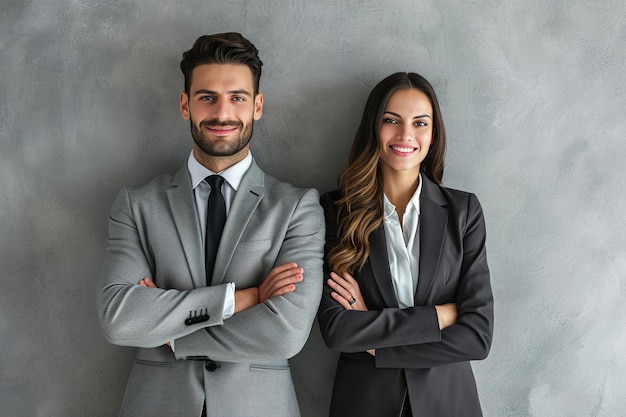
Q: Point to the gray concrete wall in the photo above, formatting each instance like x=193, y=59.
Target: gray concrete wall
x=534, y=98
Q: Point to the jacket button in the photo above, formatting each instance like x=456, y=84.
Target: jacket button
x=211, y=366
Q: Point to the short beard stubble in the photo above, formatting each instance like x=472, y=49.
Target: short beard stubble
x=221, y=147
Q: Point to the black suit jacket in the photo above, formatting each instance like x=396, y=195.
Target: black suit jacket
x=413, y=357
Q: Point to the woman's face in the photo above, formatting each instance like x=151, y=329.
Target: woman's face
x=406, y=131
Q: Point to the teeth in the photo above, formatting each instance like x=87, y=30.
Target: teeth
x=402, y=149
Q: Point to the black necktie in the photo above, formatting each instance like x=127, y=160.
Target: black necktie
x=216, y=217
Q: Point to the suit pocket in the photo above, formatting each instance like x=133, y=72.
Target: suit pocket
x=153, y=363
x=269, y=367
x=254, y=245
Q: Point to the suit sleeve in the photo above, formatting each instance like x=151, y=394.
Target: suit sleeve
x=279, y=327
x=131, y=315
x=357, y=331
x=470, y=338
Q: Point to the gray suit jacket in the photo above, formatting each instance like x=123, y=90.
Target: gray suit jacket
x=239, y=365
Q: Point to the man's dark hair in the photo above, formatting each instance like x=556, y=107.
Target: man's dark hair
x=222, y=48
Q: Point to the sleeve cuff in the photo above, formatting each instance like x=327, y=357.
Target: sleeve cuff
x=229, y=301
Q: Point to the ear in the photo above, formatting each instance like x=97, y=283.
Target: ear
x=184, y=105
x=258, y=106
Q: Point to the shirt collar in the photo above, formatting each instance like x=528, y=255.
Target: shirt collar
x=232, y=174
x=389, y=209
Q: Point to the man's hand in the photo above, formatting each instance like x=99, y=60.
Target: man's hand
x=147, y=282
x=280, y=281
x=446, y=314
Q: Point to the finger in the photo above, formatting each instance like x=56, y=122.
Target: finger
x=283, y=290
x=149, y=283
x=279, y=281
x=341, y=300
x=292, y=275
x=271, y=280
x=288, y=280
x=341, y=291
x=341, y=281
x=350, y=279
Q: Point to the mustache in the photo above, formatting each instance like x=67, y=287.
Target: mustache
x=217, y=123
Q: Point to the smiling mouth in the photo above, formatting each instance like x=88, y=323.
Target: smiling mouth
x=403, y=149
x=221, y=129
x=224, y=127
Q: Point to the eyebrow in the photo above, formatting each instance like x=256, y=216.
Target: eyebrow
x=240, y=92
x=415, y=117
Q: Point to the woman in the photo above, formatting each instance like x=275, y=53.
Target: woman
x=407, y=300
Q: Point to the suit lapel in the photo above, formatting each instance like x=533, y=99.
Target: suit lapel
x=432, y=229
x=183, y=209
x=248, y=196
x=379, y=261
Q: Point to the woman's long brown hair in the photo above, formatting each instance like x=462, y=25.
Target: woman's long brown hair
x=360, y=208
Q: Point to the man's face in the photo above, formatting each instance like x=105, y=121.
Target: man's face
x=221, y=107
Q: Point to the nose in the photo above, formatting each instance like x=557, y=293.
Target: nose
x=405, y=132
x=222, y=110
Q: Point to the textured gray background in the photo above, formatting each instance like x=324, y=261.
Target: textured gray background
x=534, y=99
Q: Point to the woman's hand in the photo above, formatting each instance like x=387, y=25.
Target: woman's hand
x=346, y=292
x=446, y=315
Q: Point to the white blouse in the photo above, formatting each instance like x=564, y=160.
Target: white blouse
x=403, y=247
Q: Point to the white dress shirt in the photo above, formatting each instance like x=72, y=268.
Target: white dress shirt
x=201, y=190
x=403, y=247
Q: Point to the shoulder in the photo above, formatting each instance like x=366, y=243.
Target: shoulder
x=155, y=189
x=452, y=198
x=163, y=181
x=462, y=206
x=456, y=197
x=284, y=196
x=285, y=190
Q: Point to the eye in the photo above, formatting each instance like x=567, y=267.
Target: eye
x=390, y=121
x=207, y=98
x=420, y=123
x=238, y=99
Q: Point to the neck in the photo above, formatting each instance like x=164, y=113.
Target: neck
x=399, y=187
x=218, y=164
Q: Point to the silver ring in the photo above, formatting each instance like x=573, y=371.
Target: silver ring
x=351, y=301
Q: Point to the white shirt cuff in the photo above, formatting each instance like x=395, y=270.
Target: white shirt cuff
x=229, y=301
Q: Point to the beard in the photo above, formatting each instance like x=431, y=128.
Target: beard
x=221, y=146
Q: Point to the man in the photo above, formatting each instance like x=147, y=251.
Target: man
x=214, y=335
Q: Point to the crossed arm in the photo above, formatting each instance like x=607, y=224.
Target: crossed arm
x=420, y=336
x=279, y=326
x=280, y=281
x=271, y=320
x=346, y=291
